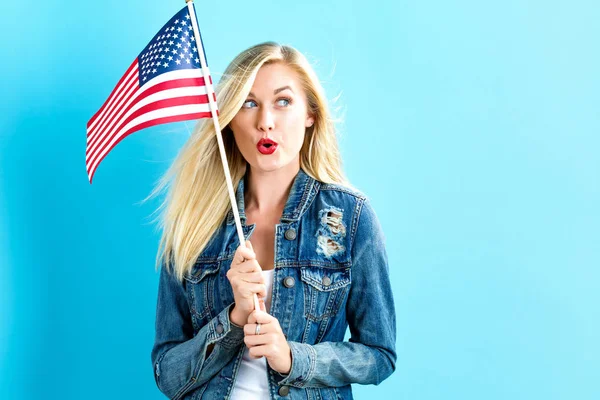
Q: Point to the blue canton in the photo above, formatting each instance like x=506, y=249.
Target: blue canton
x=173, y=48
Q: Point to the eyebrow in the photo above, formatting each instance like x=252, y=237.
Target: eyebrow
x=281, y=89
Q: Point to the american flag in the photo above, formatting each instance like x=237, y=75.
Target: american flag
x=163, y=84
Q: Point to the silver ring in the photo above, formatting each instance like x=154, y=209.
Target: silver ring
x=257, y=330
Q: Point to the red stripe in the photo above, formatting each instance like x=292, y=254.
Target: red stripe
x=114, y=108
x=172, y=84
x=157, y=105
x=147, y=124
x=134, y=63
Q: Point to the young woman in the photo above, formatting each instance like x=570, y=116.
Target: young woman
x=315, y=256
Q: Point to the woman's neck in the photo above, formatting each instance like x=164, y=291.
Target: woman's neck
x=268, y=190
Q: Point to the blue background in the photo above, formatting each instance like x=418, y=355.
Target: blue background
x=472, y=126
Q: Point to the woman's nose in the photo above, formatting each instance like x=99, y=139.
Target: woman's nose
x=265, y=120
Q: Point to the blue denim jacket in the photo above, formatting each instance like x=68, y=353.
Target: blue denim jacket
x=331, y=273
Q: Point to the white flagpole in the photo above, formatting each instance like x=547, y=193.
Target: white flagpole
x=213, y=111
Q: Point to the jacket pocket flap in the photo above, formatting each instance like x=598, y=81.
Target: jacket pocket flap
x=325, y=279
x=201, y=270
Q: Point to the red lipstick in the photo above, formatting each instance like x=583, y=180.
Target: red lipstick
x=266, y=146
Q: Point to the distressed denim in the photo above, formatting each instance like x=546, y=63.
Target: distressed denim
x=331, y=273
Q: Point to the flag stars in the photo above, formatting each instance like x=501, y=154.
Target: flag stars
x=174, y=47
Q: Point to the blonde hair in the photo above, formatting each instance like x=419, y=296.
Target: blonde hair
x=197, y=201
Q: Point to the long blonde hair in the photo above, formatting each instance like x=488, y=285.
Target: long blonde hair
x=197, y=200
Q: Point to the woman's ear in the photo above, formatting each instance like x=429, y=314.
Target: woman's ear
x=310, y=121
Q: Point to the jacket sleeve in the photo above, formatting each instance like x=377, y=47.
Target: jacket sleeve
x=178, y=357
x=369, y=356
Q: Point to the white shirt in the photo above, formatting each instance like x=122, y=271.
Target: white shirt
x=251, y=382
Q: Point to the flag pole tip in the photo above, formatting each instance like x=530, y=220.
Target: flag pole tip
x=188, y=1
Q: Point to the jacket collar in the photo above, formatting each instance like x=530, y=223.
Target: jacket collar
x=301, y=194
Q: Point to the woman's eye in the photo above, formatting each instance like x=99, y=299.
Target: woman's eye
x=248, y=104
x=284, y=102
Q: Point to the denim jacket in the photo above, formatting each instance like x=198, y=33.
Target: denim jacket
x=331, y=273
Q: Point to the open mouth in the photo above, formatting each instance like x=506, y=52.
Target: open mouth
x=267, y=146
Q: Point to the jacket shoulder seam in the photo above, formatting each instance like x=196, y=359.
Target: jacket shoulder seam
x=340, y=188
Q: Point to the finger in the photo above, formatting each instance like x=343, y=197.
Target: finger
x=247, y=266
x=262, y=305
x=253, y=277
x=260, y=316
x=259, y=340
x=250, y=329
x=248, y=290
x=264, y=350
x=243, y=254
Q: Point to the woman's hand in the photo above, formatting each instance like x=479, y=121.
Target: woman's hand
x=270, y=342
x=246, y=279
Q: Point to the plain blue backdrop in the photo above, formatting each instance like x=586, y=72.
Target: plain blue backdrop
x=472, y=126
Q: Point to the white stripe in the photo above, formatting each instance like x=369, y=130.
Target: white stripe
x=172, y=75
x=117, y=93
x=179, y=74
x=114, y=110
x=162, y=95
x=163, y=112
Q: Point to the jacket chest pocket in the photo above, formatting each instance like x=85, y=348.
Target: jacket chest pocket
x=200, y=287
x=325, y=290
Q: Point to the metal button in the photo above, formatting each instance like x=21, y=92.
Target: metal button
x=290, y=234
x=220, y=328
x=326, y=281
x=289, y=281
x=284, y=390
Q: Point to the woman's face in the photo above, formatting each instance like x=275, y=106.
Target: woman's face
x=269, y=128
